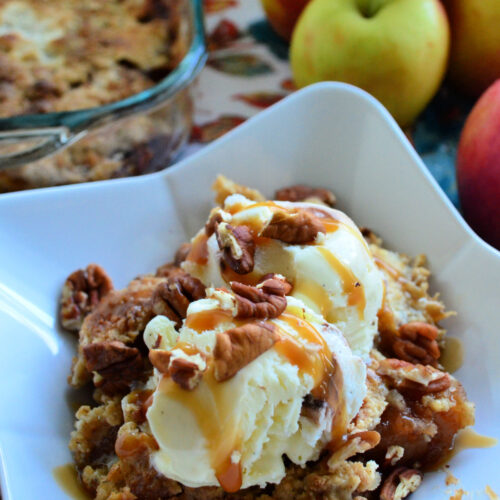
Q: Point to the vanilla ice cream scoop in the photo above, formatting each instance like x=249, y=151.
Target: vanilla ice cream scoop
x=335, y=275
x=293, y=394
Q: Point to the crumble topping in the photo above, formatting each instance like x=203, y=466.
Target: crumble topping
x=408, y=419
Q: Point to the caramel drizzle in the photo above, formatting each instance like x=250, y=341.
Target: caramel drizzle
x=391, y=271
x=320, y=365
x=229, y=275
x=208, y=319
x=330, y=223
x=199, y=250
x=314, y=293
x=212, y=405
x=350, y=284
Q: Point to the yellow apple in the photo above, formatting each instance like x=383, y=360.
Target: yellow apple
x=475, y=43
x=283, y=14
x=396, y=50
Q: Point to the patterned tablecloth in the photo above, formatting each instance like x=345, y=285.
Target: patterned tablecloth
x=248, y=71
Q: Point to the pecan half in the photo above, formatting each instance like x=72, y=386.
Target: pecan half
x=238, y=247
x=405, y=376
x=293, y=227
x=401, y=483
x=266, y=300
x=117, y=364
x=417, y=343
x=185, y=370
x=172, y=298
x=236, y=348
x=213, y=221
x=359, y=442
x=393, y=455
x=299, y=192
x=185, y=373
x=81, y=292
x=160, y=359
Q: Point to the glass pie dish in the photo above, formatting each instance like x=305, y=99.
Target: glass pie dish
x=138, y=134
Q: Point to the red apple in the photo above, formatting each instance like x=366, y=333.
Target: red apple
x=475, y=44
x=478, y=167
x=283, y=14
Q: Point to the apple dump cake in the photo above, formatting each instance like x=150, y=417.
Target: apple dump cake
x=283, y=353
x=66, y=55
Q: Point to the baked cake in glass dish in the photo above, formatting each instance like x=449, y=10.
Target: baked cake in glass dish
x=67, y=55
x=283, y=353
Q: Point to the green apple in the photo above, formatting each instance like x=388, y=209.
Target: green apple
x=396, y=50
x=475, y=43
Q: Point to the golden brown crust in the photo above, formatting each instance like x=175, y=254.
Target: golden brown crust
x=66, y=55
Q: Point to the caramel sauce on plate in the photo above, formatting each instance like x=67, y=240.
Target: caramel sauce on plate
x=67, y=478
x=464, y=440
x=468, y=438
x=452, y=355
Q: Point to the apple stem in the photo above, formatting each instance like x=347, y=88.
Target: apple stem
x=370, y=7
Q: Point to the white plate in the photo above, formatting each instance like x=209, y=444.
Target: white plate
x=329, y=135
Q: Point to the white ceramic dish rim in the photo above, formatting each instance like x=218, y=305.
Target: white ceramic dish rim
x=365, y=96
x=370, y=101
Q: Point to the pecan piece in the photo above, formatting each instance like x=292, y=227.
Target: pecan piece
x=293, y=227
x=237, y=347
x=81, y=292
x=117, y=364
x=185, y=373
x=299, y=192
x=185, y=370
x=182, y=253
x=359, y=442
x=160, y=359
x=417, y=343
x=213, y=221
x=172, y=298
x=405, y=376
x=266, y=300
x=400, y=484
x=237, y=245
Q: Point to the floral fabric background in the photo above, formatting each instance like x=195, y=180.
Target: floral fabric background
x=248, y=71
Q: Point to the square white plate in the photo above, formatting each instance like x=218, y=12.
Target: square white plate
x=330, y=135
